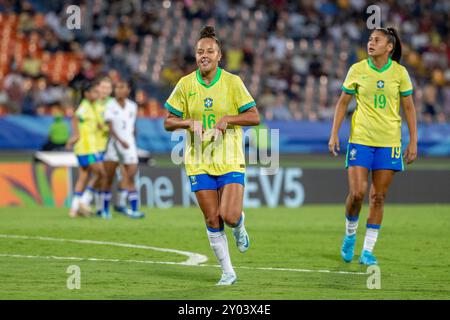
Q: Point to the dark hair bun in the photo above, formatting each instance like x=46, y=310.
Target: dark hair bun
x=207, y=32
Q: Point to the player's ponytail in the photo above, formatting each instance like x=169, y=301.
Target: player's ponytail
x=393, y=37
x=396, y=54
x=209, y=32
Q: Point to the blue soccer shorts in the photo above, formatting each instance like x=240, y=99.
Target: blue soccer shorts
x=374, y=158
x=210, y=182
x=85, y=160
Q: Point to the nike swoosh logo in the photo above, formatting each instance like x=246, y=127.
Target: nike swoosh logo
x=236, y=175
x=192, y=94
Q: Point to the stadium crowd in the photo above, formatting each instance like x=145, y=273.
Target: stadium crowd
x=293, y=55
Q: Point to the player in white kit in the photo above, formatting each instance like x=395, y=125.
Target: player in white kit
x=120, y=115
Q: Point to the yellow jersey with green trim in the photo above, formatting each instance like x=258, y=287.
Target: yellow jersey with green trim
x=376, y=121
x=193, y=99
x=87, y=128
x=102, y=134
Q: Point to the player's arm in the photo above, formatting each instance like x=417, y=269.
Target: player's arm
x=339, y=116
x=410, y=115
x=249, y=117
x=75, y=133
x=114, y=134
x=174, y=122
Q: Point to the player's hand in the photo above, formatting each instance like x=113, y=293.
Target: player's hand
x=124, y=144
x=333, y=145
x=196, y=127
x=220, y=127
x=410, y=153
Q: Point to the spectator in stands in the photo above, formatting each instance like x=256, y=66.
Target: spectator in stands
x=94, y=49
x=58, y=134
x=31, y=64
x=279, y=111
x=235, y=56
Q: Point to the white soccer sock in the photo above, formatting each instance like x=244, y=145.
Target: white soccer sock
x=98, y=196
x=122, y=198
x=351, y=225
x=219, y=244
x=371, y=237
x=76, y=201
x=87, y=196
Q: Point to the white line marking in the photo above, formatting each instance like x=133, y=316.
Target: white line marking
x=195, y=259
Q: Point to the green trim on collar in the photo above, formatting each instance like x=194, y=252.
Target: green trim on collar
x=216, y=78
x=384, y=68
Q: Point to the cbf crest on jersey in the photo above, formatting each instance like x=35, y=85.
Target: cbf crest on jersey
x=208, y=103
x=380, y=84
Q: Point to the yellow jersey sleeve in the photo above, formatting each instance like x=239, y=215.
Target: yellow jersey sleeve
x=176, y=103
x=350, y=83
x=406, y=87
x=242, y=98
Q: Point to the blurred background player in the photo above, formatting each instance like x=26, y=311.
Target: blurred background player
x=93, y=190
x=379, y=84
x=198, y=104
x=120, y=115
x=84, y=139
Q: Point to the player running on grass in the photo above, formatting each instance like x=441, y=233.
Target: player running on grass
x=120, y=115
x=379, y=84
x=84, y=137
x=206, y=103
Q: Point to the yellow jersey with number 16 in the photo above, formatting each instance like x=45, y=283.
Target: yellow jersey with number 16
x=376, y=121
x=193, y=99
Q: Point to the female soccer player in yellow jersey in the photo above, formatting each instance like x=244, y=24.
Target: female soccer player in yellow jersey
x=93, y=191
x=380, y=84
x=84, y=124
x=212, y=105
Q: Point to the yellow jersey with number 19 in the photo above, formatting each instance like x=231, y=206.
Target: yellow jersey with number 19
x=193, y=99
x=376, y=121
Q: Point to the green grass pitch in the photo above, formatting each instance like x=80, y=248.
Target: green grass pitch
x=413, y=251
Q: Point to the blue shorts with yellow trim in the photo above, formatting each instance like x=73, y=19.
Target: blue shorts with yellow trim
x=84, y=160
x=209, y=182
x=374, y=158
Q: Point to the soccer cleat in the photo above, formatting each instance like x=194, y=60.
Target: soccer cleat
x=227, y=279
x=123, y=210
x=135, y=214
x=73, y=213
x=367, y=258
x=106, y=215
x=242, y=240
x=84, y=210
x=348, y=248
x=241, y=236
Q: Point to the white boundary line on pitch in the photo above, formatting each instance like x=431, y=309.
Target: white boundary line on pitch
x=194, y=259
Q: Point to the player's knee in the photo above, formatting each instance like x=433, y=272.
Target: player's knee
x=377, y=199
x=213, y=221
x=357, y=196
x=231, y=217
